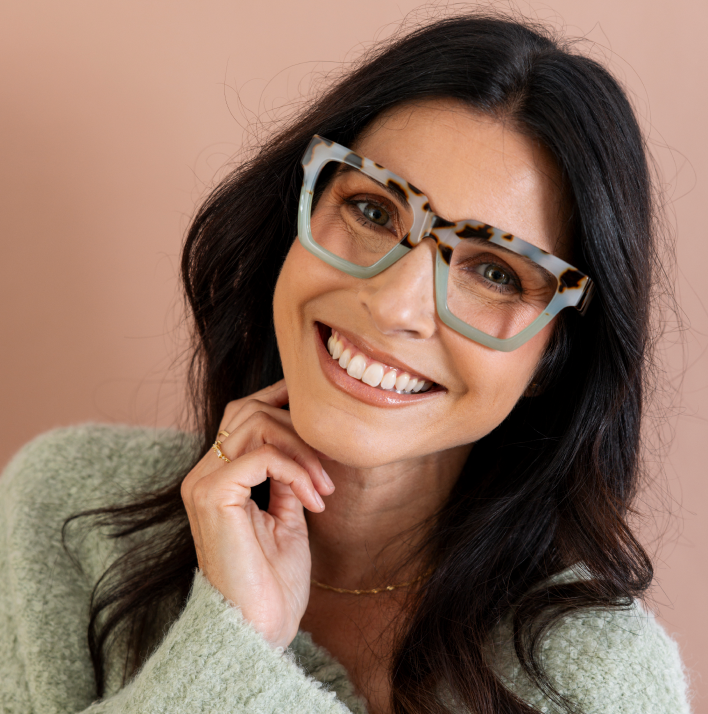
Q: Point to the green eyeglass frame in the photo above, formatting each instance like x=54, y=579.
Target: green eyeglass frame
x=574, y=288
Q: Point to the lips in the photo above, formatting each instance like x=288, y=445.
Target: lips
x=372, y=372
x=354, y=369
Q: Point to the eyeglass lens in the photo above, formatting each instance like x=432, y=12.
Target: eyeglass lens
x=489, y=287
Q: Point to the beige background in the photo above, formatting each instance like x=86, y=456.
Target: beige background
x=117, y=115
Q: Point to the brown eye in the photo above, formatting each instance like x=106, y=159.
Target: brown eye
x=374, y=213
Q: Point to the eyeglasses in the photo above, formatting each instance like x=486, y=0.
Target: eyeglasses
x=490, y=286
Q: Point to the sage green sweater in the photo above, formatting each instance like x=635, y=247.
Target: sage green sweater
x=210, y=659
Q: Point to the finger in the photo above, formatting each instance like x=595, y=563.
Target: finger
x=211, y=461
x=285, y=505
x=275, y=395
x=283, y=470
x=251, y=407
x=266, y=427
x=230, y=486
x=264, y=527
x=251, y=509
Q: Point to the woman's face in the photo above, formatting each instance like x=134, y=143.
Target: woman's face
x=469, y=166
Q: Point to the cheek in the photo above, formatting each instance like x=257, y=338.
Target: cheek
x=282, y=309
x=302, y=282
x=303, y=276
x=492, y=380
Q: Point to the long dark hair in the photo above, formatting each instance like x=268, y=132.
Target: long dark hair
x=549, y=488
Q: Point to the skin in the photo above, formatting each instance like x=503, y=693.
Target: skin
x=388, y=468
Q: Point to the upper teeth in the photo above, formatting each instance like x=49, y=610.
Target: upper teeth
x=370, y=372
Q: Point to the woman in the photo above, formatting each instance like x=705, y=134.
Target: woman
x=405, y=370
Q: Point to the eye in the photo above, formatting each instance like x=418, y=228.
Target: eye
x=494, y=273
x=374, y=213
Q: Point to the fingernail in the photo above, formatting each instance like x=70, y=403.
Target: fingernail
x=319, y=500
x=327, y=479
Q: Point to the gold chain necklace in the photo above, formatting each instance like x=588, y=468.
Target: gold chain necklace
x=373, y=591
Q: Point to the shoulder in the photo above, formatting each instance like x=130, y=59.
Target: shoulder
x=606, y=660
x=70, y=470
x=84, y=465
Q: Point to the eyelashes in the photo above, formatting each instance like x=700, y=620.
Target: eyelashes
x=375, y=214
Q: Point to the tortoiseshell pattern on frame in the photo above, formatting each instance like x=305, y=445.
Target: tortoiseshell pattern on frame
x=574, y=288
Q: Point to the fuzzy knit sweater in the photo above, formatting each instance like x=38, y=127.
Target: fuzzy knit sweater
x=210, y=659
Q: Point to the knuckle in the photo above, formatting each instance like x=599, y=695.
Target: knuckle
x=259, y=421
x=231, y=409
x=261, y=417
x=253, y=408
x=188, y=483
x=202, y=493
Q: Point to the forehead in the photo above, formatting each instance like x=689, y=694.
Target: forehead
x=471, y=166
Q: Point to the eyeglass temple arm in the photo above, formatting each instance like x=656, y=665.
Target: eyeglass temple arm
x=586, y=298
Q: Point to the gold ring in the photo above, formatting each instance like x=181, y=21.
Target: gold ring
x=216, y=447
x=225, y=433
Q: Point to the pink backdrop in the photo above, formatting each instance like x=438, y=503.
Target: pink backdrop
x=116, y=118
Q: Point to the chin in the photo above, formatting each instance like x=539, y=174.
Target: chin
x=345, y=442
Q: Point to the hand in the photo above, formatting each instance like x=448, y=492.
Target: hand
x=258, y=560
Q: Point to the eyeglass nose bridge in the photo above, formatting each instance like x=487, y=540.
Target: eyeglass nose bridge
x=442, y=250
x=428, y=227
x=425, y=227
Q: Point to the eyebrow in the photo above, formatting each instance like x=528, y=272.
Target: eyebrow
x=391, y=190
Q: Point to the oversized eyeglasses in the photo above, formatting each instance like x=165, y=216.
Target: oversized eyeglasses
x=490, y=286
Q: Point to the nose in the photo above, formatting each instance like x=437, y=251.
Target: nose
x=401, y=299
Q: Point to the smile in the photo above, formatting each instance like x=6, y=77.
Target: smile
x=369, y=375
x=371, y=372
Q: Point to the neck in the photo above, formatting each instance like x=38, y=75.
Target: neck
x=375, y=518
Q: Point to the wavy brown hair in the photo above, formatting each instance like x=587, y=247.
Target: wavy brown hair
x=549, y=488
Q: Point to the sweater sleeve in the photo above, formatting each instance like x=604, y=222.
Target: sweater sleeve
x=210, y=660
x=605, y=662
